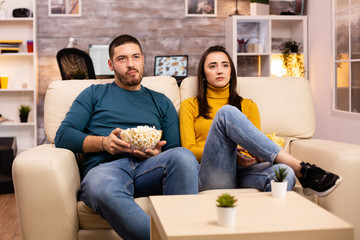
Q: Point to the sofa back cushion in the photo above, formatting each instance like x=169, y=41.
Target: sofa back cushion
x=285, y=104
x=61, y=94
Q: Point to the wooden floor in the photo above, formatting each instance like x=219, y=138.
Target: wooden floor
x=9, y=223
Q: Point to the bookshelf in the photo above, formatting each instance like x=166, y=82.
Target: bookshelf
x=21, y=70
x=265, y=35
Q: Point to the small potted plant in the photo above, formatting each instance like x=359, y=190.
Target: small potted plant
x=279, y=184
x=226, y=210
x=259, y=7
x=288, y=50
x=24, y=111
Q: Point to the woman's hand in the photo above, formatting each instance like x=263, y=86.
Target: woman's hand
x=243, y=160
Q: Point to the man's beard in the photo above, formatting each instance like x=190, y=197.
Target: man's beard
x=129, y=81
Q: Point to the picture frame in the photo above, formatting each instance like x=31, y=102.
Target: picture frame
x=200, y=8
x=65, y=8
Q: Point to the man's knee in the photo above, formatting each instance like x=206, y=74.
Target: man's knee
x=184, y=159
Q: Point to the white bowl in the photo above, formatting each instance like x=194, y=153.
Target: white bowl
x=141, y=137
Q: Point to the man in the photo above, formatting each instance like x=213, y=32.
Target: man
x=113, y=174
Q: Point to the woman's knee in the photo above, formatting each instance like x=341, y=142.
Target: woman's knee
x=228, y=112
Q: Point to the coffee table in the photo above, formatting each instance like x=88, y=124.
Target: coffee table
x=259, y=216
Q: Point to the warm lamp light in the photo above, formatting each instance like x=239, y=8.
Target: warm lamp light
x=342, y=76
x=278, y=69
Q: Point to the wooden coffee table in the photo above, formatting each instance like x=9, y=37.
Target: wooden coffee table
x=259, y=216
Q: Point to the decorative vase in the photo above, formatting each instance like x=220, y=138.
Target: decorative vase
x=278, y=189
x=24, y=117
x=259, y=9
x=226, y=216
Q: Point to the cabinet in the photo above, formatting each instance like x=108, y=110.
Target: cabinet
x=264, y=36
x=21, y=70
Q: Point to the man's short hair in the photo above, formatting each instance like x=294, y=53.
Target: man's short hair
x=120, y=40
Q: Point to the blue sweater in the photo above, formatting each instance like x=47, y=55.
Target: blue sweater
x=101, y=108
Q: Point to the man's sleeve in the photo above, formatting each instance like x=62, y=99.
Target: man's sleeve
x=71, y=134
x=170, y=126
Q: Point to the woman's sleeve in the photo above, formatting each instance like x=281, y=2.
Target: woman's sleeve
x=251, y=110
x=187, y=116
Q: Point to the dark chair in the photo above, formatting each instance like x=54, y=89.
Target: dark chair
x=75, y=64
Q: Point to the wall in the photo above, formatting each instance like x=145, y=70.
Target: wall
x=160, y=25
x=330, y=124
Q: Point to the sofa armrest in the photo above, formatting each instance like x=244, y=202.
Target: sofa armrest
x=342, y=159
x=46, y=181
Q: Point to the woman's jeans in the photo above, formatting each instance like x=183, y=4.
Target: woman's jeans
x=218, y=169
x=109, y=189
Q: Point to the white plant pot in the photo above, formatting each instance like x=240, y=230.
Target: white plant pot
x=226, y=216
x=259, y=9
x=278, y=189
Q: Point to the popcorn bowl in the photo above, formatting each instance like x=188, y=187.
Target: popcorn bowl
x=141, y=137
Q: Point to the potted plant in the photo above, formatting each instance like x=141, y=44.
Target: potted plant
x=24, y=112
x=226, y=210
x=289, y=50
x=259, y=7
x=279, y=184
x=2, y=9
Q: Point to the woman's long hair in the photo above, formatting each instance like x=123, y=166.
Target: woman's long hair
x=234, y=98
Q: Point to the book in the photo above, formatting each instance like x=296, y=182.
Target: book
x=9, y=50
x=11, y=41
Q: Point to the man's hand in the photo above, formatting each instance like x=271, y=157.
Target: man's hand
x=242, y=160
x=114, y=145
x=148, y=152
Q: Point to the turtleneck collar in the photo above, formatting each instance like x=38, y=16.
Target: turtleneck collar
x=214, y=92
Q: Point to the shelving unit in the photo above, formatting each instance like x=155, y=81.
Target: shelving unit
x=21, y=70
x=265, y=35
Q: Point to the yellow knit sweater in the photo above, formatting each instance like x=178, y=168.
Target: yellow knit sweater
x=194, y=130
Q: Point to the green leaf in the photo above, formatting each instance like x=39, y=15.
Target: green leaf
x=260, y=1
x=226, y=200
x=280, y=174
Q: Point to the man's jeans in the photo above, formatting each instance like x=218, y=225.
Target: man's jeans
x=218, y=169
x=109, y=189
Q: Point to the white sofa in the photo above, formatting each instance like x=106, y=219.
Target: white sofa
x=47, y=179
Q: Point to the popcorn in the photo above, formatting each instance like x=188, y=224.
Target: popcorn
x=141, y=137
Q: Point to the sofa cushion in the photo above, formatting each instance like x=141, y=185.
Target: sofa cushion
x=61, y=94
x=285, y=104
x=88, y=219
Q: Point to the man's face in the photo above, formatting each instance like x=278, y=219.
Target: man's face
x=128, y=66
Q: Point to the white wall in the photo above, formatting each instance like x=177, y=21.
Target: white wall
x=331, y=125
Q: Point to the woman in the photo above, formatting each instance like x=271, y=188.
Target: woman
x=218, y=121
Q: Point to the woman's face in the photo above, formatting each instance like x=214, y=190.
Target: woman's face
x=217, y=69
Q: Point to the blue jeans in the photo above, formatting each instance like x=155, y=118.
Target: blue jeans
x=218, y=169
x=109, y=189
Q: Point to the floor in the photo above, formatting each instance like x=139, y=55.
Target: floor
x=9, y=222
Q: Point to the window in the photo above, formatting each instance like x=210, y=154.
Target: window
x=346, y=30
